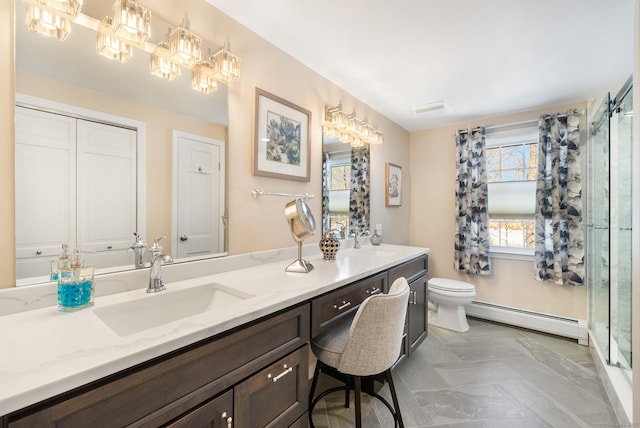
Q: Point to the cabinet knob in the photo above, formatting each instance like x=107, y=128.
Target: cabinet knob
x=184, y=238
x=38, y=253
x=227, y=419
x=109, y=247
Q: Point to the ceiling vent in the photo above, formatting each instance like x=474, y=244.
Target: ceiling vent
x=434, y=107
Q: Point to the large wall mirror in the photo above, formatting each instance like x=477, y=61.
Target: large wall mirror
x=345, y=188
x=141, y=122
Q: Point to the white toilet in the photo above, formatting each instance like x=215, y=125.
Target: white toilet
x=447, y=298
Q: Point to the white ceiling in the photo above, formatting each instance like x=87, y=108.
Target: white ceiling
x=481, y=57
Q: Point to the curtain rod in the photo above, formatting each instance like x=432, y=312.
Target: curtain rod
x=507, y=125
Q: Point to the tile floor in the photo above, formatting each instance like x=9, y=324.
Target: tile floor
x=492, y=376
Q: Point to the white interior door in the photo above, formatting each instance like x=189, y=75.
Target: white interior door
x=45, y=188
x=106, y=186
x=199, y=200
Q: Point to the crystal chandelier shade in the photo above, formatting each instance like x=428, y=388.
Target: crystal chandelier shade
x=226, y=66
x=131, y=21
x=52, y=18
x=109, y=46
x=185, y=46
x=202, y=78
x=162, y=66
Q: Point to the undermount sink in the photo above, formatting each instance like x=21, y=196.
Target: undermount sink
x=161, y=308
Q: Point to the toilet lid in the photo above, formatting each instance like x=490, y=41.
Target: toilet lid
x=450, y=285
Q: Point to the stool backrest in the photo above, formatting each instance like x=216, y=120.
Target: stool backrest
x=375, y=337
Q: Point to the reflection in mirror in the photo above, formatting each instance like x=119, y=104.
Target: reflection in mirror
x=345, y=188
x=115, y=118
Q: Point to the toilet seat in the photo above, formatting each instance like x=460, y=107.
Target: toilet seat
x=450, y=285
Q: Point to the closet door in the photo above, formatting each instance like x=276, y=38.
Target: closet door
x=45, y=188
x=106, y=185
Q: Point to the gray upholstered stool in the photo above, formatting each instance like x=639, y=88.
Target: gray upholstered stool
x=366, y=346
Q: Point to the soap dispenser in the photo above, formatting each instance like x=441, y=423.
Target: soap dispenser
x=63, y=262
x=75, y=283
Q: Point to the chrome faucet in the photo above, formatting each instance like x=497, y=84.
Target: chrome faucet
x=356, y=235
x=139, y=249
x=157, y=258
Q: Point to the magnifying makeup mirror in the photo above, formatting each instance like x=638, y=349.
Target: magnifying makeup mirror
x=302, y=225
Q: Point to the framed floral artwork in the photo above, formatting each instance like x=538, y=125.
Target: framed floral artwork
x=281, y=138
x=393, y=185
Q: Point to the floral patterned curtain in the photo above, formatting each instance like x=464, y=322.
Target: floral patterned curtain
x=472, y=218
x=326, y=188
x=359, y=194
x=559, y=241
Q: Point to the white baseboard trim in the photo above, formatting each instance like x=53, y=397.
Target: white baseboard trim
x=562, y=326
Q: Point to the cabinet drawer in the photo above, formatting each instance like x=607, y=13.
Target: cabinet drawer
x=160, y=391
x=276, y=396
x=331, y=307
x=411, y=270
x=217, y=413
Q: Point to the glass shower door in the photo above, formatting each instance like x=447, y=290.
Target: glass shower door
x=621, y=206
x=598, y=226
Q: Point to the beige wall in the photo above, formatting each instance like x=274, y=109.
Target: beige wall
x=432, y=224
x=253, y=224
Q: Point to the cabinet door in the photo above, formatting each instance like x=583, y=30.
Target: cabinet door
x=106, y=186
x=276, y=396
x=45, y=187
x=217, y=413
x=417, y=313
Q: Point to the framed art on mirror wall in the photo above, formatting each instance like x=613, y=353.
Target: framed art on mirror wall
x=282, y=143
x=393, y=185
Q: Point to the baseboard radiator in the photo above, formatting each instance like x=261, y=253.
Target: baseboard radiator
x=546, y=323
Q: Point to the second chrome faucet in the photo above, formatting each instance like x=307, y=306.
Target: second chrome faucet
x=157, y=257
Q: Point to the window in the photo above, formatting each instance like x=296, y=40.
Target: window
x=511, y=173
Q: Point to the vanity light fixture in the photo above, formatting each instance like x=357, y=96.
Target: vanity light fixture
x=52, y=18
x=110, y=46
x=202, y=78
x=349, y=129
x=131, y=21
x=226, y=66
x=185, y=46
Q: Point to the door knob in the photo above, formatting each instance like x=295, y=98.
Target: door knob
x=184, y=238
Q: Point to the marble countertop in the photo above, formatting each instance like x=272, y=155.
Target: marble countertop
x=46, y=352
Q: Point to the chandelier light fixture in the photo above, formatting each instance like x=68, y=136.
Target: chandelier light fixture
x=185, y=46
x=52, y=18
x=110, y=46
x=129, y=28
x=226, y=66
x=348, y=129
x=131, y=21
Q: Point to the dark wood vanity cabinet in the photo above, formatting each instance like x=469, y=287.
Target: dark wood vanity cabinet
x=416, y=272
x=256, y=375
x=194, y=384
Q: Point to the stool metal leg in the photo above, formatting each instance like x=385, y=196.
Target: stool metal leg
x=394, y=397
x=314, y=383
x=356, y=381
